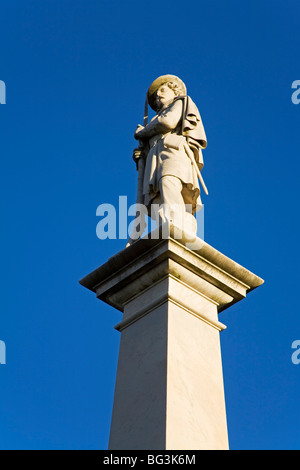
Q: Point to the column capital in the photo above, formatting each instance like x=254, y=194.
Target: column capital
x=196, y=264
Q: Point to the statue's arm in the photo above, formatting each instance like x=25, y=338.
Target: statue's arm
x=163, y=123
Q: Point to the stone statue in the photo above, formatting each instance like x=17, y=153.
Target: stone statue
x=169, y=157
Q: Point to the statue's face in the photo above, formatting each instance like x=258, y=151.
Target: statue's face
x=164, y=94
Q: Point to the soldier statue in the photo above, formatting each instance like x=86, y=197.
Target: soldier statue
x=169, y=157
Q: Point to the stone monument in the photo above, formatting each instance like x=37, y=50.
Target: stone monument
x=170, y=286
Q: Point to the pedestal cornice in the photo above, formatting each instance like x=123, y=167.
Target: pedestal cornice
x=203, y=268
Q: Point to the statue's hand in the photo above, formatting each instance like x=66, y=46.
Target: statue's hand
x=138, y=129
x=137, y=154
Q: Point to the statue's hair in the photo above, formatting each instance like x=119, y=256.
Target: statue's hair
x=175, y=87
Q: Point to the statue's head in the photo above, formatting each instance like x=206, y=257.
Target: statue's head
x=164, y=89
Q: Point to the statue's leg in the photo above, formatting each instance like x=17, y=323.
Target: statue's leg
x=173, y=207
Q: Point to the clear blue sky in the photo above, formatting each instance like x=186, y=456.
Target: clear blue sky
x=76, y=73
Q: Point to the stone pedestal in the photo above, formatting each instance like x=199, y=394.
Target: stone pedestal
x=169, y=392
